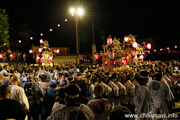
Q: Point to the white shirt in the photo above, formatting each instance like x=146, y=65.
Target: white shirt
x=17, y=93
x=3, y=72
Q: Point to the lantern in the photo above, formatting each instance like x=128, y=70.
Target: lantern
x=1, y=56
x=41, y=41
x=96, y=55
x=58, y=25
x=31, y=38
x=50, y=58
x=111, y=54
x=30, y=51
x=141, y=57
x=57, y=51
x=50, y=29
x=41, y=34
x=40, y=49
x=11, y=55
x=148, y=46
x=126, y=39
x=123, y=61
x=134, y=45
x=19, y=41
x=133, y=53
x=114, y=62
x=109, y=41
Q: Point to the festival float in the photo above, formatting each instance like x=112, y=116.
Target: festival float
x=116, y=54
x=44, y=55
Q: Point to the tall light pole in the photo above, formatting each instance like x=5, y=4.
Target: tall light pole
x=76, y=13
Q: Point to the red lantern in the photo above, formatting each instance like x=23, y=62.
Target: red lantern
x=109, y=41
x=111, y=54
x=96, y=55
x=133, y=53
x=124, y=61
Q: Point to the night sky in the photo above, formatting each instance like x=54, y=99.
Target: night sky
x=159, y=20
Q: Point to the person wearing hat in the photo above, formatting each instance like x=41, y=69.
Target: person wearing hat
x=142, y=97
x=73, y=109
x=161, y=94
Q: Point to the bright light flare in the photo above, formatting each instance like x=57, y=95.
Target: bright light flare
x=41, y=41
x=19, y=41
x=31, y=38
x=80, y=11
x=72, y=10
x=40, y=49
x=57, y=51
x=141, y=56
x=167, y=48
x=175, y=46
x=58, y=25
x=50, y=29
x=126, y=39
x=154, y=50
x=161, y=49
x=30, y=51
x=148, y=46
x=41, y=34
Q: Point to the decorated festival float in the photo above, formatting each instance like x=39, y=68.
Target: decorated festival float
x=117, y=54
x=44, y=55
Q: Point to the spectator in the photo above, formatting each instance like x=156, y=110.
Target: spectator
x=72, y=110
x=10, y=108
x=99, y=106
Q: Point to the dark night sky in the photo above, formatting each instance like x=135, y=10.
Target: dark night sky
x=159, y=20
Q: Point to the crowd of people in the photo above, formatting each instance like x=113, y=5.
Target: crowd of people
x=85, y=92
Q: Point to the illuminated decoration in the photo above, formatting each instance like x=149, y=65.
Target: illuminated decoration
x=72, y=10
x=114, y=62
x=135, y=45
x=96, y=55
x=161, y=49
x=1, y=55
x=111, y=54
x=41, y=41
x=175, y=46
x=4, y=44
x=40, y=49
x=50, y=58
x=50, y=29
x=38, y=57
x=126, y=39
x=65, y=20
x=124, y=61
x=30, y=51
x=58, y=25
x=41, y=34
x=19, y=41
x=133, y=53
x=141, y=57
x=57, y=51
x=109, y=41
x=167, y=48
x=148, y=46
x=31, y=38
x=80, y=11
x=154, y=50
x=11, y=55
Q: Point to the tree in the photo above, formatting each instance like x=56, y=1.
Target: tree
x=4, y=28
x=23, y=33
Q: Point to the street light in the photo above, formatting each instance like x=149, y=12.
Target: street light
x=76, y=12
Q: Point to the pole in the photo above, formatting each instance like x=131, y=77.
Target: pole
x=93, y=45
x=77, y=40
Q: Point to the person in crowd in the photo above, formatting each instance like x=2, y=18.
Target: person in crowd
x=161, y=94
x=142, y=98
x=119, y=113
x=4, y=70
x=60, y=102
x=17, y=92
x=72, y=110
x=34, y=96
x=10, y=108
x=100, y=106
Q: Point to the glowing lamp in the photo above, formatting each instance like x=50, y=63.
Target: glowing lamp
x=58, y=25
x=38, y=57
x=167, y=48
x=4, y=44
x=50, y=29
x=141, y=57
x=57, y=51
x=19, y=41
x=65, y=20
x=134, y=44
x=148, y=46
x=154, y=50
x=1, y=56
x=175, y=46
x=123, y=61
x=41, y=34
x=41, y=41
x=126, y=39
x=31, y=38
x=96, y=55
x=30, y=51
x=114, y=62
x=11, y=55
x=161, y=49
x=40, y=49
x=50, y=58
x=80, y=11
x=109, y=41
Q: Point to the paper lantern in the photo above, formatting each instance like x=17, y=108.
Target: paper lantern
x=148, y=46
x=30, y=51
x=57, y=51
x=96, y=55
x=41, y=41
x=126, y=39
x=134, y=44
x=109, y=41
x=40, y=49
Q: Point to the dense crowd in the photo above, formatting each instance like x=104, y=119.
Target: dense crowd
x=72, y=92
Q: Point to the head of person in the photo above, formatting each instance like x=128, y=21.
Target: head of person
x=43, y=78
x=5, y=67
x=72, y=94
x=114, y=77
x=15, y=80
x=5, y=91
x=98, y=89
x=30, y=77
x=118, y=113
x=158, y=75
x=143, y=77
x=53, y=83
